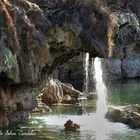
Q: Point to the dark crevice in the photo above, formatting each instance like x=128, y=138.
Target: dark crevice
x=4, y=80
x=124, y=25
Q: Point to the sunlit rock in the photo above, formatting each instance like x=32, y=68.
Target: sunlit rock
x=128, y=114
x=56, y=92
x=41, y=107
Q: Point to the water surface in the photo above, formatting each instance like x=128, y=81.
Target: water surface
x=51, y=126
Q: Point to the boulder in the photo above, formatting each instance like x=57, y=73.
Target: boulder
x=48, y=98
x=70, y=126
x=68, y=90
x=128, y=115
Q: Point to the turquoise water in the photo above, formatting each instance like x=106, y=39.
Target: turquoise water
x=50, y=126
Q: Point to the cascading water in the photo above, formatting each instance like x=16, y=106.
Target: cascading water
x=101, y=89
x=101, y=105
x=86, y=66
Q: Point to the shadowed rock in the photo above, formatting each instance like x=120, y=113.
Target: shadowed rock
x=71, y=126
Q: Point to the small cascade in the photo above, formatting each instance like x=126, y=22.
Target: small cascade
x=101, y=89
x=92, y=75
x=86, y=66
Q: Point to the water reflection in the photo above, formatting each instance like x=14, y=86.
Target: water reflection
x=124, y=93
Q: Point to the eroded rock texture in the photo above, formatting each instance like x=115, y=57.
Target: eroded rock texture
x=38, y=35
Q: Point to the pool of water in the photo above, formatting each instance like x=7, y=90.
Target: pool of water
x=50, y=126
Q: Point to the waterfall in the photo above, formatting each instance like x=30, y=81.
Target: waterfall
x=101, y=89
x=92, y=75
x=101, y=105
x=86, y=66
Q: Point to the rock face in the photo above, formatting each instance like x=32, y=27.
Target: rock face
x=72, y=72
x=14, y=102
x=36, y=36
x=125, y=47
x=129, y=115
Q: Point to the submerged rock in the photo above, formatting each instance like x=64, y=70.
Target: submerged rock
x=129, y=115
x=81, y=111
x=71, y=126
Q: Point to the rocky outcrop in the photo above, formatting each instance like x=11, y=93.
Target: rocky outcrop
x=56, y=92
x=128, y=115
x=52, y=93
